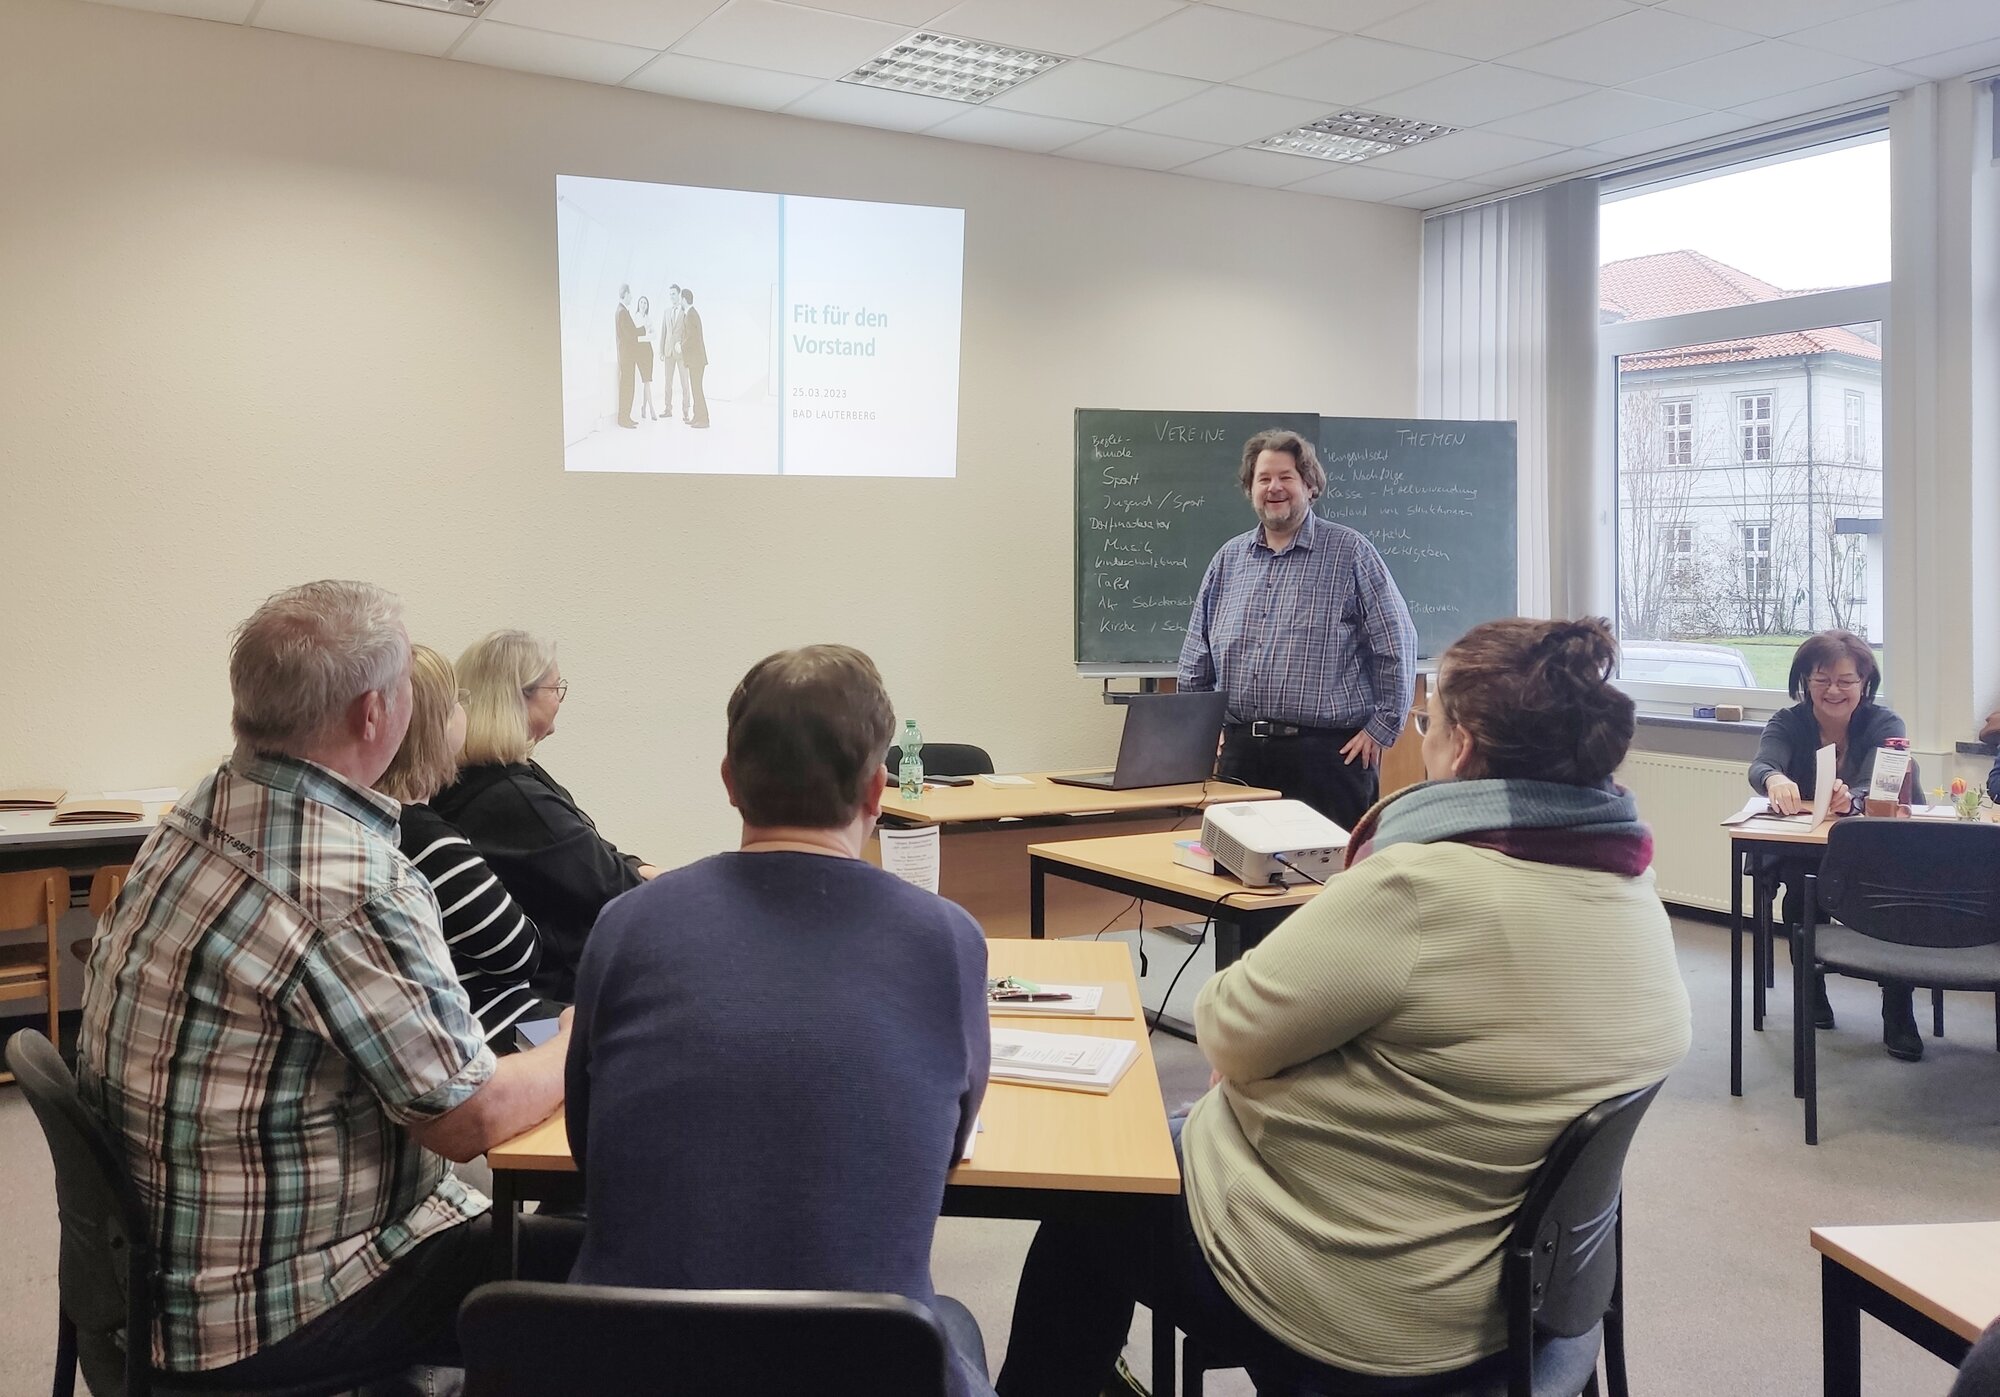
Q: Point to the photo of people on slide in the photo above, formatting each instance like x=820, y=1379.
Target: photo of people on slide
x=714, y=331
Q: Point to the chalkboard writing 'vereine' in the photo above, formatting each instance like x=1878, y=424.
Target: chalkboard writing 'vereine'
x=1156, y=495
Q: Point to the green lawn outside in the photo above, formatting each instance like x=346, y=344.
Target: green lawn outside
x=1770, y=656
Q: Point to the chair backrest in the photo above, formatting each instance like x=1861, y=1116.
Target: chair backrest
x=1560, y=1269
x=1914, y=882
x=533, y=1339
x=945, y=759
x=106, y=1268
x=33, y=900
x=105, y=885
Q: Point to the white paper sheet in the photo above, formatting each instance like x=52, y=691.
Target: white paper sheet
x=1823, y=778
x=153, y=794
x=912, y=855
x=992, y=780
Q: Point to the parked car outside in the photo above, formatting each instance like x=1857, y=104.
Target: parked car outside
x=1685, y=662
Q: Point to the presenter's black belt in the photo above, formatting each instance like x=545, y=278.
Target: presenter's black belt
x=1264, y=728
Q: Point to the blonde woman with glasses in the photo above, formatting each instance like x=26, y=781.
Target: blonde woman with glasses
x=547, y=852
x=1833, y=680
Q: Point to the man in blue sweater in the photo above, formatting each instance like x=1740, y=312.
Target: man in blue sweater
x=779, y=1053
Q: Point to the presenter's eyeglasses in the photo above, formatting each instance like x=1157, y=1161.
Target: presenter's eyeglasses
x=1846, y=683
x=561, y=691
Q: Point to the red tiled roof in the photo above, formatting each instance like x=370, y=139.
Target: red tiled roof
x=1675, y=283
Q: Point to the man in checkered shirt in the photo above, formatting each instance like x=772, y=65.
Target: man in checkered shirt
x=272, y=1029
x=1300, y=624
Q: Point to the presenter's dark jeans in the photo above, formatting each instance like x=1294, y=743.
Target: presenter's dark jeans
x=410, y=1315
x=697, y=403
x=628, y=372
x=1308, y=767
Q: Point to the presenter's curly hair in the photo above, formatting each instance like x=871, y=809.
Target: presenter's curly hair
x=1536, y=700
x=1293, y=445
x=808, y=730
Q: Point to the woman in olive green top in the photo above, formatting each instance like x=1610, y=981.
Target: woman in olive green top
x=1394, y=1061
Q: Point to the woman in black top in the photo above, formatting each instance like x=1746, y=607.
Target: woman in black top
x=531, y=831
x=494, y=947
x=1835, y=677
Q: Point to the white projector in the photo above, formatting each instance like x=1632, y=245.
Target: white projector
x=1251, y=837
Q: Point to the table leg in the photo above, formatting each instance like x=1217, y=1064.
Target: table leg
x=1737, y=862
x=1840, y=1329
x=506, y=1226
x=1037, y=898
x=1760, y=943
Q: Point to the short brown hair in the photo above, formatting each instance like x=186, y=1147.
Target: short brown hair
x=423, y=765
x=1537, y=701
x=1293, y=445
x=807, y=729
x=1828, y=648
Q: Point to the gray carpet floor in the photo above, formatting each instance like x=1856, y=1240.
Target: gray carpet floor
x=1722, y=1285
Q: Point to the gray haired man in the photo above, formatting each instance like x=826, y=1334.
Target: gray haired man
x=272, y=1029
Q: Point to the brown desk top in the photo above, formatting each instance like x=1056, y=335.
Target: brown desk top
x=1944, y=1270
x=1033, y=1137
x=1756, y=829
x=1149, y=858
x=950, y=805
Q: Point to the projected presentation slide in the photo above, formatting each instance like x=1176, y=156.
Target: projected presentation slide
x=716, y=331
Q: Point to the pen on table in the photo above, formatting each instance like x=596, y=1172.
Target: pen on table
x=1032, y=997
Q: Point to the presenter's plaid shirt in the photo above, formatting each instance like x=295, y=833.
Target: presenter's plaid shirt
x=267, y=1005
x=1316, y=636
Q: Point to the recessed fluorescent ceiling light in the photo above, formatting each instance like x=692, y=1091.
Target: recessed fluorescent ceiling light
x=959, y=70
x=475, y=8
x=1353, y=136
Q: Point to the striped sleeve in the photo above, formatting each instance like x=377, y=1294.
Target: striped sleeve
x=489, y=936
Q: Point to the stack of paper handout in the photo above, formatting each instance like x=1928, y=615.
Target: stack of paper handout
x=1069, y=1061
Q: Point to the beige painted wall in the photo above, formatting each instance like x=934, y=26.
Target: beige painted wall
x=278, y=309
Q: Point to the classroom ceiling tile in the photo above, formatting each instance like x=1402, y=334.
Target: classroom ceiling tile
x=988, y=126
x=1205, y=41
x=1483, y=93
x=1596, y=116
x=1362, y=182
x=1911, y=29
x=764, y=34
x=1352, y=70
x=1876, y=82
x=1140, y=149
x=874, y=106
x=704, y=80
x=1264, y=168
x=1771, y=18
x=500, y=45
x=366, y=22
x=650, y=24
x=1631, y=46
x=1052, y=26
x=914, y=13
x=1764, y=69
x=1956, y=62
x=1082, y=90
x=1345, y=16
x=1488, y=29
x=1438, y=195
x=1465, y=155
x=1658, y=138
x=1550, y=167
x=1230, y=116
x=226, y=11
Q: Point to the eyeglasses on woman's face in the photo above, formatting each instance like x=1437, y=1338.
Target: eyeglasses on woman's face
x=560, y=689
x=1841, y=683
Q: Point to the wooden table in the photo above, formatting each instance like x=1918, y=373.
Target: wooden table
x=1936, y=1284
x=986, y=830
x=29, y=840
x=1142, y=866
x=1042, y=1152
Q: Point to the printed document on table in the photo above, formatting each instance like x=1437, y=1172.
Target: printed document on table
x=1060, y=1060
x=912, y=855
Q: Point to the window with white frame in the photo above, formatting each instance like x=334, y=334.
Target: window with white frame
x=1677, y=427
x=1753, y=426
x=1741, y=352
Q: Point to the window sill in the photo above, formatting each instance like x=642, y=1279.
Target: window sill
x=1681, y=720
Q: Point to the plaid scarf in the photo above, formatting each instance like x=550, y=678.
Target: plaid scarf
x=1536, y=821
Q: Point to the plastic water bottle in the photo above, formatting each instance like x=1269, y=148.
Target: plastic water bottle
x=910, y=775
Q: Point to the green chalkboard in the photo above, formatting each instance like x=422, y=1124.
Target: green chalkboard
x=1156, y=495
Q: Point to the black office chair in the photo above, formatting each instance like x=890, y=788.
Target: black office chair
x=1562, y=1281
x=944, y=759
x=106, y=1278
x=534, y=1339
x=1916, y=901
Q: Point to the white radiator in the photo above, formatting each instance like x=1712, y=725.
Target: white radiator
x=1685, y=799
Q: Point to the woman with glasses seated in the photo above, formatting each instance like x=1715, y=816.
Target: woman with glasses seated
x=1834, y=678
x=547, y=852
x=1394, y=1061
x=494, y=946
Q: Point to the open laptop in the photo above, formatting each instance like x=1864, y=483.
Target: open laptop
x=1169, y=741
